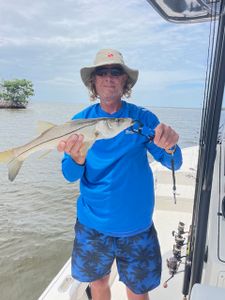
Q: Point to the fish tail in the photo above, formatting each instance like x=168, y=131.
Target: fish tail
x=13, y=168
x=14, y=164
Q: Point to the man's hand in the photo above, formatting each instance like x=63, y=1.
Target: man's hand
x=165, y=136
x=75, y=147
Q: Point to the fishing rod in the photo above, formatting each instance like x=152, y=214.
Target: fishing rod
x=182, y=239
x=213, y=97
x=207, y=154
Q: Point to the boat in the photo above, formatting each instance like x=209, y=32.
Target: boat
x=193, y=256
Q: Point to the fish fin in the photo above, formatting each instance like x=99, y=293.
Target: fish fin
x=13, y=168
x=45, y=154
x=44, y=126
x=14, y=164
x=6, y=156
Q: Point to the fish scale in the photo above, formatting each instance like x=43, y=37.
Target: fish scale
x=91, y=129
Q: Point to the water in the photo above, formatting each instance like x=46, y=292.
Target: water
x=37, y=210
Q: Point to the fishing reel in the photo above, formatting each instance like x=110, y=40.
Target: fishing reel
x=173, y=263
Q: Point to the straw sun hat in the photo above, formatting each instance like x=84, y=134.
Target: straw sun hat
x=108, y=57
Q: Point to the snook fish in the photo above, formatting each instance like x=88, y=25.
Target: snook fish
x=51, y=134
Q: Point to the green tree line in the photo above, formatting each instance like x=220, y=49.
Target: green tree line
x=16, y=92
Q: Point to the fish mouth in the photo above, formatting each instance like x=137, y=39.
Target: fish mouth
x=133, y=122
x=139, y=123
x=136, y=125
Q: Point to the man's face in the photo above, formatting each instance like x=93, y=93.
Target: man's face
x=109, y=82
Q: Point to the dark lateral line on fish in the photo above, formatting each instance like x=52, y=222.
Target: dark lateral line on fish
x=53, y=139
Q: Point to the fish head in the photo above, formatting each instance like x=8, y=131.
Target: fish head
x=110, y=127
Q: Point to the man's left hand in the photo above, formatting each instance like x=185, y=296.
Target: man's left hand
x=165, y=136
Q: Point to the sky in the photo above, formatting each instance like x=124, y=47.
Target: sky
x=48, y=41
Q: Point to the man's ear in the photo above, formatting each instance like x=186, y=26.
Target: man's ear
x=92, y=79
x=125, y=78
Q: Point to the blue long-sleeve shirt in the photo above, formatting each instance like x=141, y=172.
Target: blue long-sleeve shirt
x=116, y=181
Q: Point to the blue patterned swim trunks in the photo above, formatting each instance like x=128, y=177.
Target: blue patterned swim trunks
x=138, y=257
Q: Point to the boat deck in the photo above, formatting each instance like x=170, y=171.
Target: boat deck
x=165, y=222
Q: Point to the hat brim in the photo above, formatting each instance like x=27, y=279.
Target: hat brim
x=87, y=71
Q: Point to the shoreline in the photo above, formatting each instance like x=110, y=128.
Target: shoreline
x=10, y=105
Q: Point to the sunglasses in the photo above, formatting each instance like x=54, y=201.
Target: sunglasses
x=109, y=71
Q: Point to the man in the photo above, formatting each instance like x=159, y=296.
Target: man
x=116, y=201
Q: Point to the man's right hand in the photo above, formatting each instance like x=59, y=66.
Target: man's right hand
x=75, y=147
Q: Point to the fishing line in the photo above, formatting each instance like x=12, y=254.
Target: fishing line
x=149, y=133
x=208, y=77
x=205, y=110
x=174, y=179
x=210, y=117
x=206, y=100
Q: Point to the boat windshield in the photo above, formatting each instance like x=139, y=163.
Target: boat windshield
x=186, y=11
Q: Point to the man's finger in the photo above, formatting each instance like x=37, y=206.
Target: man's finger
x=165, y=136
x=158, y=133
x=77, y=145
x=61, y=146
x=71, y=141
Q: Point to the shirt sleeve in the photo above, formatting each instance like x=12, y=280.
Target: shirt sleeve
x=165, y=158
x=159, y=154
x=70, y=169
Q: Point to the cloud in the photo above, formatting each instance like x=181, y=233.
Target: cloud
x=49, y=41
x=60, y=81
x=167, y=79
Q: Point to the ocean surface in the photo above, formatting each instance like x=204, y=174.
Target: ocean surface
x=37, y=210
